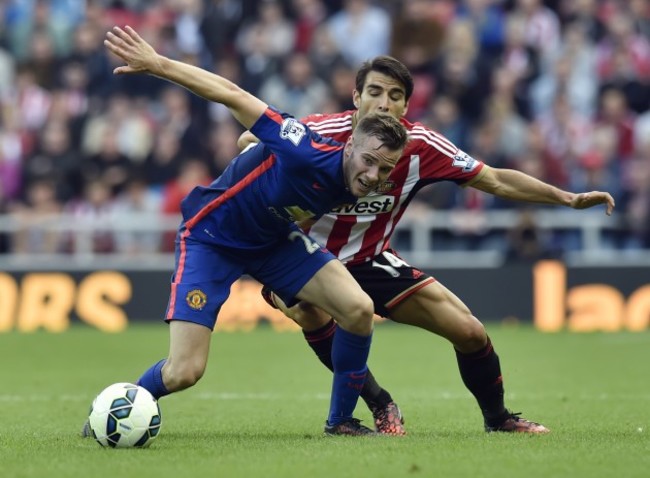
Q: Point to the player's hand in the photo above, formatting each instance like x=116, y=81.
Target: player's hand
x=139, y=56
x=593, y=198
x=246, y=139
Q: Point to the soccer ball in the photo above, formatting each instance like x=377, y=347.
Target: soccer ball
x=124, y=415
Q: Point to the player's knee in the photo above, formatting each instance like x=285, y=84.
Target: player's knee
x=358, y=314
x=473, y=336
x=363, y=308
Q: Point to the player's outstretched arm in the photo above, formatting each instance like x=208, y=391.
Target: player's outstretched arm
x=141, y=57
x=517, y=186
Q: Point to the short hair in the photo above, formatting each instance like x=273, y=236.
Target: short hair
x=389, y=66
x=385, y=128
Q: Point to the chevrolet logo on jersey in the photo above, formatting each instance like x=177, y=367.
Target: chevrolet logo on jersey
x=370, y=205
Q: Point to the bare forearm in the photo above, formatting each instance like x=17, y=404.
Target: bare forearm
x=517, y=186
x=198, y=81
x=213, y=88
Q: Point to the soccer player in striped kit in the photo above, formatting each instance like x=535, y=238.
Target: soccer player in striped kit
x=359, y=235
x=244, y=223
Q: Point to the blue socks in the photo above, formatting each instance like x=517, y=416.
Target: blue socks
x=349, y=357
x=152, y=380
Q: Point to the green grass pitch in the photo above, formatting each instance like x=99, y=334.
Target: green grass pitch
x=260, y=408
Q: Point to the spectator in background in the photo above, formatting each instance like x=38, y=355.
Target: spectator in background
x=585, y=14
x=271, y=28
x=175, y=115
x=162, y=164
x=7, y=72
x=360, y=30
x=310, y=14
x=87, y=51
x=565, y=133
x=5, y=240
x=560, y=79
x=555, y=168
x=109, y=165
x=42, y=59
x=54, y=18
x=132, y=128
x=136, y=198
x=40, y=209
x=502, y=110
x=640, y=14
x=55, y=160
x=637, y=200
x=600, y=165
x=416, y=40
x=489, y=21
x=69, y=100
x=187, y=25
x=12, y=150
x=221, y=146
x=542, y=26
x=520, y=61
x=341, y=82
x=623, y=46
x=444, y=118
x=193, y=172
x=484, y=144
x=219, y=25
x=296, y=89
x=460, y=72
x=526, y=242
x=30, y=101
x=417, y=35
x=324, y=53
x=257, y=63
x=93, y=210
x=614, y=112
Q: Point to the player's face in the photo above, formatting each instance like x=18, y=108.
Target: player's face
x=367, y=163
x=381, y=94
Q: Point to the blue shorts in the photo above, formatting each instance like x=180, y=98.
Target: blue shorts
x=205, y=272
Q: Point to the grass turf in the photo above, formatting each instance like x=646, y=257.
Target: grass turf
x=260, y=408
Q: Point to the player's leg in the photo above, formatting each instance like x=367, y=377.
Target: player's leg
x=353, y=311
x=201, y=284
x=300, y=269
x=408, y=295
x=189, y=345
x=318, y=330
x=436, y=309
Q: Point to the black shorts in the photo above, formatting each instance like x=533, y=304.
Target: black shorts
x=388, y=280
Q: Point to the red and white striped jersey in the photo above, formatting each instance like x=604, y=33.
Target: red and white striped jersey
x=356, y=233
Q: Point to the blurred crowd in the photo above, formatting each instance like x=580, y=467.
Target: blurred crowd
x=559, y=89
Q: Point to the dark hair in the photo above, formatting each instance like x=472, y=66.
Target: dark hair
x=389, y=66
x=385, y=128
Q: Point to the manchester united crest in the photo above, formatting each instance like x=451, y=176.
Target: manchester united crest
x=196, y=299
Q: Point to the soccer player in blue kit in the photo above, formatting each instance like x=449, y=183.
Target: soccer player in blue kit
x=243, y=223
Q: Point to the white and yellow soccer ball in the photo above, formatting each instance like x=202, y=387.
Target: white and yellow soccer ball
x=125, y=415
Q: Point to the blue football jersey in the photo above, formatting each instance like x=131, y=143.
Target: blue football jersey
x=291, y=175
